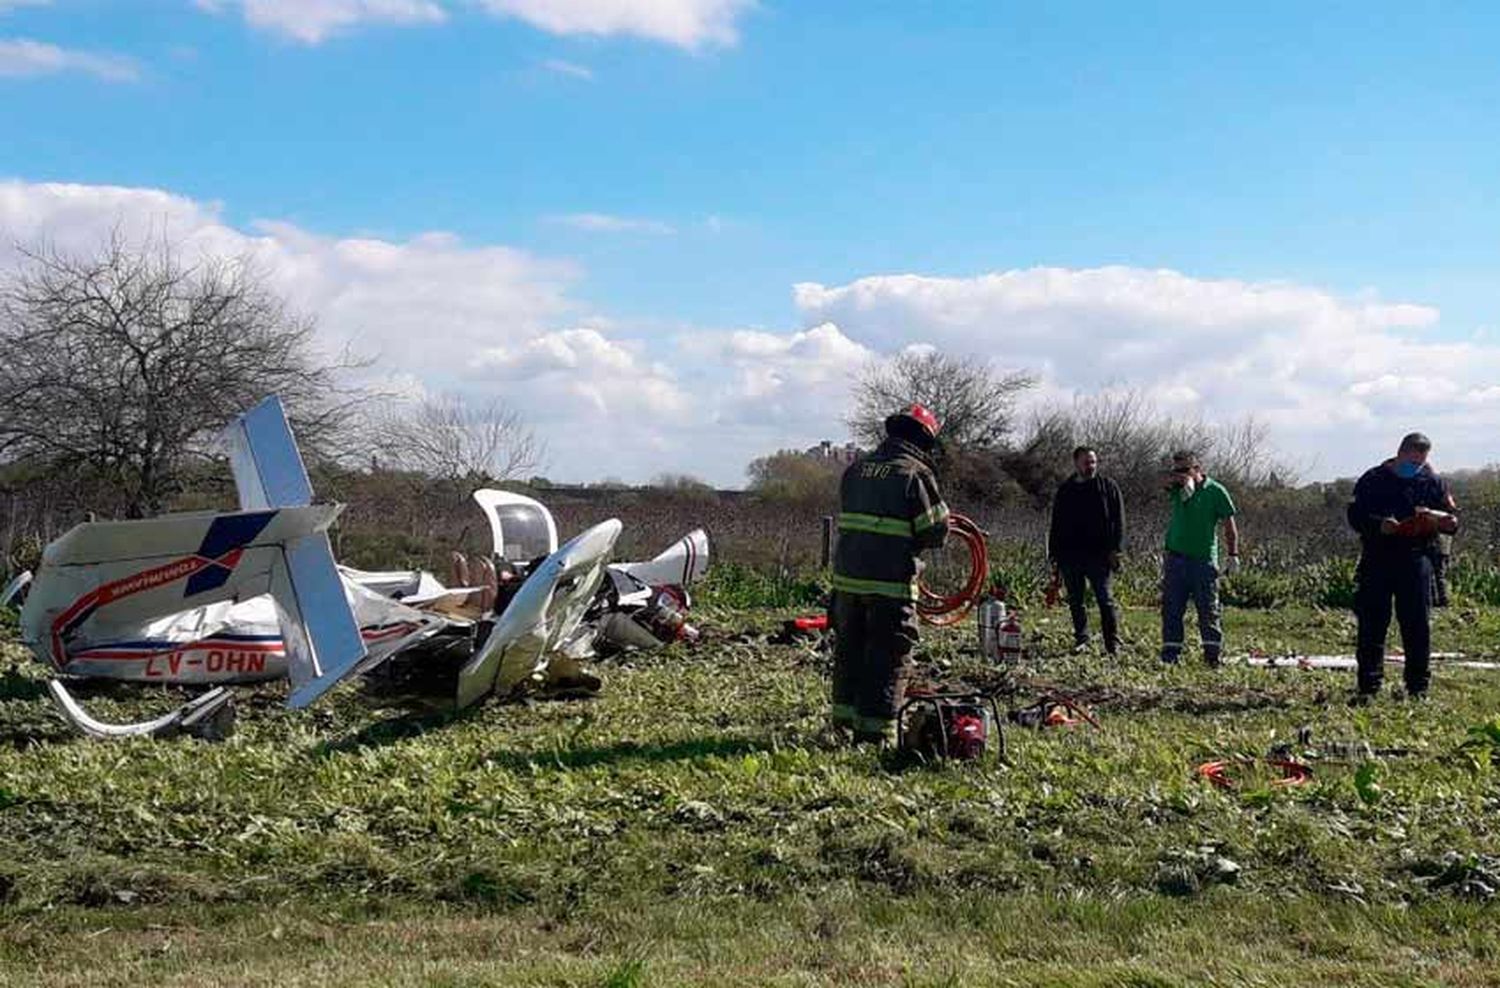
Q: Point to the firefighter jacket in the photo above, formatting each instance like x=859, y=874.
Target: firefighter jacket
x=889, y=510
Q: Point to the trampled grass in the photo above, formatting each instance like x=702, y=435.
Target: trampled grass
x=696, y=824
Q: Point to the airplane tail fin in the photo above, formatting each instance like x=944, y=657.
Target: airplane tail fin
x=323, y=643
x=267, y=465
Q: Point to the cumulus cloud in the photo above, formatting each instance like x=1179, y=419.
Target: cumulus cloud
x=21, y=57
x=607, y=408
x=794, y=383
x=688, y=24
x=1336, y=378
x=421, y=304
x=606, y=223
x=437, y=314
x=314, y=21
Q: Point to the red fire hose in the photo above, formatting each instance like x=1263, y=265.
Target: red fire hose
x=936, y=608
x=1291, y=773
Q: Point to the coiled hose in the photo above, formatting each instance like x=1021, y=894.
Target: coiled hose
x=940, y=609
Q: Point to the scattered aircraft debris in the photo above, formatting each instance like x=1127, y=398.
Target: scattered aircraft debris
x=245, y=597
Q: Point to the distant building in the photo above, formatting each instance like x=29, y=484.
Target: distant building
x=826, y=450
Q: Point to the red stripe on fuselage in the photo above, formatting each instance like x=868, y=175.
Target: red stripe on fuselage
x=109, y=593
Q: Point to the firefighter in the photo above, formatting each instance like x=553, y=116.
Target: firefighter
x=1395, y=562
x=889, y=511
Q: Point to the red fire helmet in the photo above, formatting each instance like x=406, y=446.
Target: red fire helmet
x=924, y=417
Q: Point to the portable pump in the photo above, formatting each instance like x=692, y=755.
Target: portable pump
x=949, y=724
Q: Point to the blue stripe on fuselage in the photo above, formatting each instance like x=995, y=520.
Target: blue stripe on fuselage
x=225, y=534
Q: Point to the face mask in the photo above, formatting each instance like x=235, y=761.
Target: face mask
x=1187, y=487
x=1406, y=469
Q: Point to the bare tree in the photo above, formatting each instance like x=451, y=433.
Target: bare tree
x=974, y=401
x=449, y=438
x=1134, y=439
x=126, y=362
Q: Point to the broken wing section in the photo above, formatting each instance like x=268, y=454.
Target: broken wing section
x=682, y=564
x=543, y=614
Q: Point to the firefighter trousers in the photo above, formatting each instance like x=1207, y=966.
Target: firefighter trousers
x=873, y=640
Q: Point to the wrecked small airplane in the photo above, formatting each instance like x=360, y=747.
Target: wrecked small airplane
x=224, y=599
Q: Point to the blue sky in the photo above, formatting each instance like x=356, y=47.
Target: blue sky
x=656, y=176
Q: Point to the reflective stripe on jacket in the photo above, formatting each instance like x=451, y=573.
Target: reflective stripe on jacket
x=889, y=510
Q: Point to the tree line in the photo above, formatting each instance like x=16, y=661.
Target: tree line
x=120, y=366
x=991, y=454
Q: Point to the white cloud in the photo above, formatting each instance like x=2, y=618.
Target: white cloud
x=606, y=223
x=23, y=57
x=422, y=305
x=568, y=68
x=314, y=21
x=797, y=383
x=436, y=313
x=690, y=24
x=580, y=373
x=1338, y=379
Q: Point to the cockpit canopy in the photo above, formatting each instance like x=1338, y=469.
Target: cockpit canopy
x=521, y=528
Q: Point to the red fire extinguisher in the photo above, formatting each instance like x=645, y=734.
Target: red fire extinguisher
x=1008, y=641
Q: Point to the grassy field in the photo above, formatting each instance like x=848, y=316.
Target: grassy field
x=696, y=825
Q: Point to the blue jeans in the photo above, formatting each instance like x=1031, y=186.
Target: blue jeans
x=1184, y=578
x=1096, y=572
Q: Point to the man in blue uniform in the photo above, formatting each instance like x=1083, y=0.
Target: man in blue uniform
x=1399, y=509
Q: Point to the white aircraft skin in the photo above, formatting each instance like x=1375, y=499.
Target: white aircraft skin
x=252, y=596
x=237, y=643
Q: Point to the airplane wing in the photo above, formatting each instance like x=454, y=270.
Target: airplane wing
x=682, y=564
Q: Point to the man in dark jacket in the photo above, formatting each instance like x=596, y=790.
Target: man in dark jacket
x=1399, y=509
x=889, y=510
x=1084, y=543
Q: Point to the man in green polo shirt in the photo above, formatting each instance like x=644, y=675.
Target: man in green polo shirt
x=1190, y=569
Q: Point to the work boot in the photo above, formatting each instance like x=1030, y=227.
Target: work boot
x=1362, y=698
x=843, y=717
